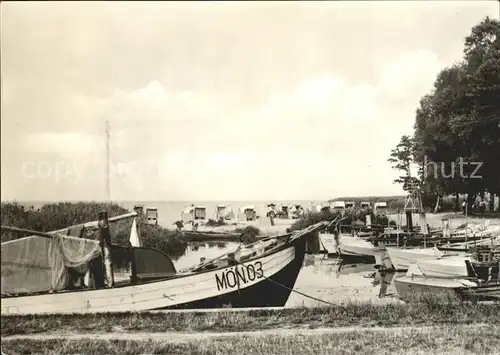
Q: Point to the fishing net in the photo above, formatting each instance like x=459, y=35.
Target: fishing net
x=37, y=264
x=70, y=253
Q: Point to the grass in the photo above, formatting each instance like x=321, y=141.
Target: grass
x=443, y=340
x=427, y=311
x=428, y=324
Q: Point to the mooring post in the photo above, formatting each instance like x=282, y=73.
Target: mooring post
x=409, y=221
x=312, y=242
x=105, y=242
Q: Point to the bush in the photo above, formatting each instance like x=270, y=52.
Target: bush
x=249, y=234
x=56, y=216
x=214, y=223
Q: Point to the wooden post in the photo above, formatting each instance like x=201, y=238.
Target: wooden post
x=271, y=218
x=105, y=242
x=409, y=221
x=312, y=243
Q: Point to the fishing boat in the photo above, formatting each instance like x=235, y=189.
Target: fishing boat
x=415, y=284
x=261, y=274
x=480, y=283
x=444, y=267
x=354, y=247
x=402, y=256
x=488, y=274
x=455, y=266
x=401, y=259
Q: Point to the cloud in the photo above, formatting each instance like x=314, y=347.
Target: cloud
x=191, y=144
x=66, y=144
x=229, y=101
x=410, y=73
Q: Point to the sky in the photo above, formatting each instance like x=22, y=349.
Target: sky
x=217, y=101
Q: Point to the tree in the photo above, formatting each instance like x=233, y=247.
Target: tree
x=482, y=55
x=460, y=120
x=402, y=158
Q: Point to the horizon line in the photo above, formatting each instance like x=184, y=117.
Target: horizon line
x=193, y=200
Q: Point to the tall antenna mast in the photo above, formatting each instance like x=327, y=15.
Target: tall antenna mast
x=108, y=162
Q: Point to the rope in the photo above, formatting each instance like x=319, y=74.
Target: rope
x=300, y=293
x=293, y=290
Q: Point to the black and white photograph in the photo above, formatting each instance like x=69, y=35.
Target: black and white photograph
x=250, y=177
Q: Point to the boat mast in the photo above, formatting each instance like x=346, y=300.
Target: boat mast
x=466, y=221
x=108, y=162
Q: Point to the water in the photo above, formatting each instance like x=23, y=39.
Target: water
x=323, y=278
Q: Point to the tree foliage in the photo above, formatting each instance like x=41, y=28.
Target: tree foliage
x=402, y=158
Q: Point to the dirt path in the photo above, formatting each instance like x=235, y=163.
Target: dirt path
x=177, y=337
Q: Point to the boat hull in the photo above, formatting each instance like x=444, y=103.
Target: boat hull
x=444, y=267
x=271, y=292
x=401, y=259
x=411, y=288
x=352, y=248
x=263, y=282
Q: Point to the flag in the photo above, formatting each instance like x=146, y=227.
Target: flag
x=134, y=239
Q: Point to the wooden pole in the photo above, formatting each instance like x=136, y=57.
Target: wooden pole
x=105, y=241
x=271, y=218
x=108, y=163
x=466, y=222
x=95, y=224
x=27, y=231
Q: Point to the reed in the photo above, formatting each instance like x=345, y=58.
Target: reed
x=56, y=216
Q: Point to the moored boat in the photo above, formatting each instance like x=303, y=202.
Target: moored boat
x=444, y=267
x=415, y=284
x=352, y=247
x=481, y=282
x=401, y=259
x=455, y=265
x=261, y=274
